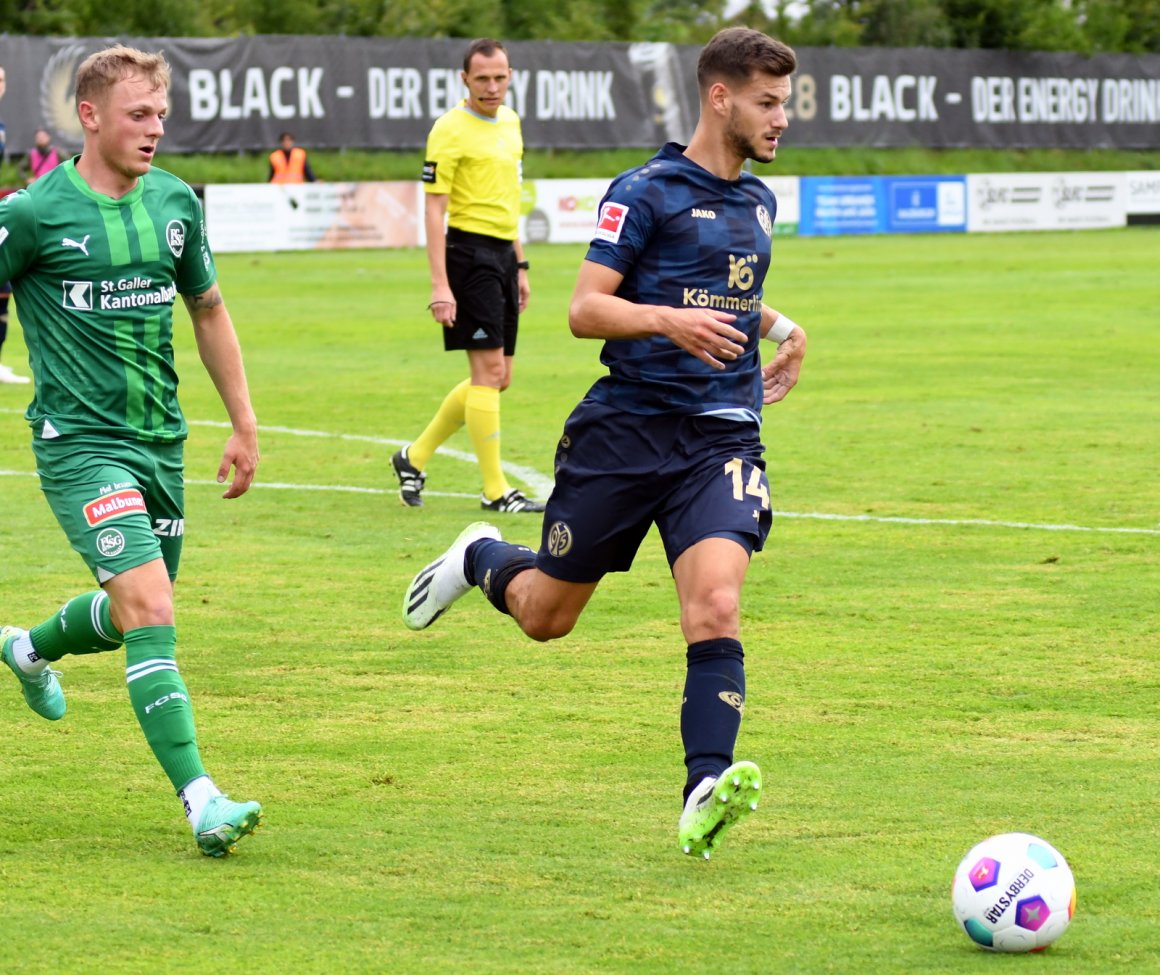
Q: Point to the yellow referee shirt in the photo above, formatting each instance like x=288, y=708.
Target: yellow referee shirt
x=476, y=162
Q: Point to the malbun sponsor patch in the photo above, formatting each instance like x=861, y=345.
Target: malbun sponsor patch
x=115, y=505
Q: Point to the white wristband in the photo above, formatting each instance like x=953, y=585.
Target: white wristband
x=780, y=329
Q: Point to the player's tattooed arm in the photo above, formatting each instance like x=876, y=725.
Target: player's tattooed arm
x=206, y=301
x=217, y=343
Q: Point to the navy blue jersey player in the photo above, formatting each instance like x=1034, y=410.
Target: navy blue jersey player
x=681, y=236
x=672, y=284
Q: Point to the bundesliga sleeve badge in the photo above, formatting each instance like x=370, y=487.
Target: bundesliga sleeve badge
x=611, y=220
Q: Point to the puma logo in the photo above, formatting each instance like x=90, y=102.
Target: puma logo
x=81, y=245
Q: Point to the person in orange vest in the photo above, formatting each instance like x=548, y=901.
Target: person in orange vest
x=288, y=164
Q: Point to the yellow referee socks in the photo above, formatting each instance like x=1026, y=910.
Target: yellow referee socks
x=482, y=417
x=448, y=418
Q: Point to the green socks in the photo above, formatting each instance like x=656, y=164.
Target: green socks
x=161, y=702
x=157, y=692
x=82, y=625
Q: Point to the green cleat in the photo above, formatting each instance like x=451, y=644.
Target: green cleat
x=223, y=823
x=715, y=805
x=42, y=692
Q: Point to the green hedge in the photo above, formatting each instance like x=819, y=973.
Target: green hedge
x=354, y=165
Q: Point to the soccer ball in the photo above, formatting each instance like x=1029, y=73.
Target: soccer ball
x=1013, y=892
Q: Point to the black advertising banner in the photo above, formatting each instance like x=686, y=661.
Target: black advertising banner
x=233, y=94
x=971, y=99
x=332, y=92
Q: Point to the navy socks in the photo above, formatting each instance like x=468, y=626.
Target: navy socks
x=711, y=711
x=492, y=564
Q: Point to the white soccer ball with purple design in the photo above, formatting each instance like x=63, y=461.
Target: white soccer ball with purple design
x=1014, y=892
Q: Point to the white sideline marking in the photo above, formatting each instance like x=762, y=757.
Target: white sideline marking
x=970, y=522
x=543, y=486
x=816, y=515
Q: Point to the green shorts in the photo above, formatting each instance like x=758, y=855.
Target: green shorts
x=120, y=502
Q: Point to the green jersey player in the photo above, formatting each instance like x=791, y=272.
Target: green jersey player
x=98, y=250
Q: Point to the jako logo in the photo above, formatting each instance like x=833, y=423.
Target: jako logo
x=704, y=214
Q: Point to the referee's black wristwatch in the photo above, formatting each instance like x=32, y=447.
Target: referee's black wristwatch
x=523, y=265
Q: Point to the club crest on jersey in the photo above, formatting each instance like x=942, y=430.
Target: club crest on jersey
x=560, y=539
x=175, y=237
x=110, y=542
x=611, y=221
x=763, y=218
x=116, y=505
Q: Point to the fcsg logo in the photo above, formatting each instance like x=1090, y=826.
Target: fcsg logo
x=175, y=237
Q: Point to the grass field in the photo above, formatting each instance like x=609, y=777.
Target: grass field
x=951, y=633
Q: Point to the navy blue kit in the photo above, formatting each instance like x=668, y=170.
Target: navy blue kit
x=684, y=238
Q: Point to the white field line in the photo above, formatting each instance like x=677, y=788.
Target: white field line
x=542, y=486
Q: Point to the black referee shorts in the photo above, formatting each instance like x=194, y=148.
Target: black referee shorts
x=483, y=277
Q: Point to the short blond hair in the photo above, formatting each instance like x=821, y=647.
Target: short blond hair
x=100, y=71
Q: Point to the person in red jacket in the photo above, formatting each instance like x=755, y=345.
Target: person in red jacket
x=288, y=164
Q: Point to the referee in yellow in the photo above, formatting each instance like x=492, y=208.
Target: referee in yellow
x=479, y=278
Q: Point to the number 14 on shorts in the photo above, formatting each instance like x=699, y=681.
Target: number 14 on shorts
x=756, y=486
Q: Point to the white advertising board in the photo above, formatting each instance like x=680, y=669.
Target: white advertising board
x=1045, y=201
x=321, y=216
x=561, y=211
x=1142, y=192
x=311, y=216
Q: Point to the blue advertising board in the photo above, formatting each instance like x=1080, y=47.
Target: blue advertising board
x=835, y=205
x=926, y=204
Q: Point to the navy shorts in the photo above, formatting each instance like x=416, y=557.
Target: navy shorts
x=485, y=281
x=618, y=473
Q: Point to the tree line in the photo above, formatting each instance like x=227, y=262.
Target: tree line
x=1085, y=26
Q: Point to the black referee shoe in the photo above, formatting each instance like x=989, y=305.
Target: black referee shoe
x=411, y=480
x=512, y=503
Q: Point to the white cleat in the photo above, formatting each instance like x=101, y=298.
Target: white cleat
x=443, y=581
